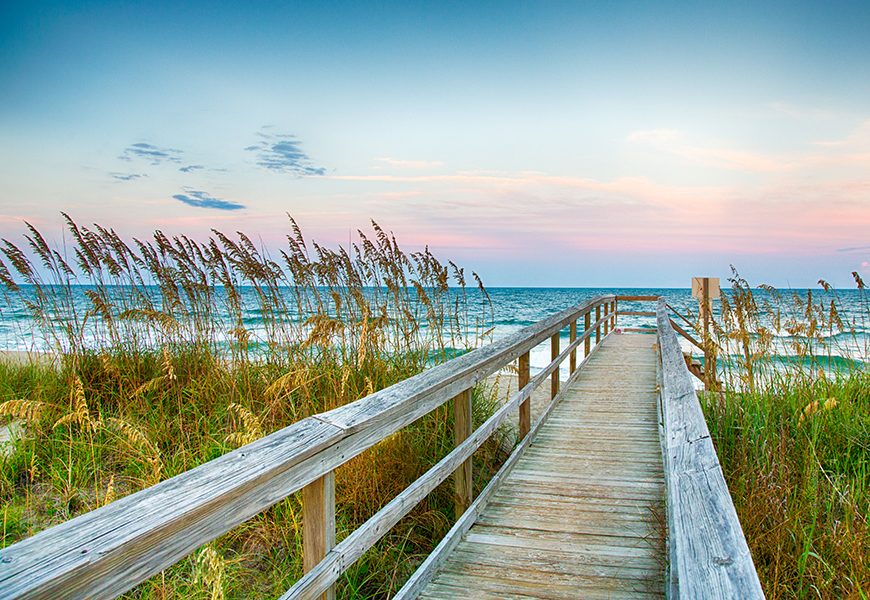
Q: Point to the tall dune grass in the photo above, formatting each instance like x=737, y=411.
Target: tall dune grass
x=792, y=431
x=161, y=369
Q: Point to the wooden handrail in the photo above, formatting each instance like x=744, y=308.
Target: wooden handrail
x=108, y=551
x=709, y=557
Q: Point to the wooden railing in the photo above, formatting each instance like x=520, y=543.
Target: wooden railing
x=108, y=551
x=708, y=555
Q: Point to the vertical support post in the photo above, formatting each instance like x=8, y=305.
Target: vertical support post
x=606, y=320
x=709, y=361
x=554, y=354
x=526, y=406
x=597, y=327
x=461, y=430
x=318, y=524
x=706, y=289
x=614, y=314
x=572, y=333
x=587, y=322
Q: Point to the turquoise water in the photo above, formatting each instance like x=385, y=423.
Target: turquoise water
x=508, y=311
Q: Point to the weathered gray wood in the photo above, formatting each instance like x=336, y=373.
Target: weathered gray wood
x=572, y=335
x=683, y=333
x=104, y=552
x=637, y=298
x=531, y=507
x=554, y=354
x=710, y=558
x=462, y=482
x=318, y=524
x=108, y=551
x=586, y=319
x=598, y=327
x=435, y=560
x=637, y=313
x=525, y=416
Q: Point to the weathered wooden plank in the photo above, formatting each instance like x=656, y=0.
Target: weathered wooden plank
x=422, y=576
x=104, y=552
x=540, y=496
x=480, y=588
x=637, y=298
x=318, y=524
x=606, y=548
x=545, y=584
x=710, y=558
x=462, y=480
x=108, y=551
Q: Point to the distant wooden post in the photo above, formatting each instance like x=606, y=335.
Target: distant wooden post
x=606, y=320
x=572, y=361
x=526, y=406
x=318, y=524
x=554, y=354
x=587, y=320
x=462, y=424
x=706, y=289
x=614, y=313
x=597, y=327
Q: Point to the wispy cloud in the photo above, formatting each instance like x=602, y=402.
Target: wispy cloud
x=853, y=249
x=711, y=154
x=191, y=168
x=154, y=154
x=201, y=199
x=410, y=164
x=127, y=176
x=281, y=153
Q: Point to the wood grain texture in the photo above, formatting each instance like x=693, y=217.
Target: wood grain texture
x=709, y=555
x=580, y=514
x=462, y=481
x=318, y=524
x=108, y=551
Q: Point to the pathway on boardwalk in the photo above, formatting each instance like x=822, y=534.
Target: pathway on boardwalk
x=581, y=515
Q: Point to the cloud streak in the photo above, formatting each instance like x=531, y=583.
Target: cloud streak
x=202, y=199
x=150, y=153
x=191, y=168
x=127, y=177
x=281, y=153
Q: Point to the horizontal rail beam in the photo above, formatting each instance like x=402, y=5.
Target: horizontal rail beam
x=709, y=557
x=106, y=552
x=683, y=333
x=637, y=298
x=636, y=313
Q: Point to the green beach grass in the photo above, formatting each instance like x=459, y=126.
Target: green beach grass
x=159, y=374
x=793, y=438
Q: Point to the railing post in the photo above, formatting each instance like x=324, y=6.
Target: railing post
x=572, y=335
x=606, y=320
x=461, y=430
x=554, y=354
x=597, y=327
x=615, y=314
x=318, y=524
x=526, y=406
x=587, y=321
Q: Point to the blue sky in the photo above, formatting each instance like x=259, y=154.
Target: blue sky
x=542, y=144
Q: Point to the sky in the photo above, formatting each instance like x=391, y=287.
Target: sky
x=558, y=144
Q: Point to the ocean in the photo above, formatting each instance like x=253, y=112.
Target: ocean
x=508, y=310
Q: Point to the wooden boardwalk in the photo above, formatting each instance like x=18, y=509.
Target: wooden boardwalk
x=581, y=515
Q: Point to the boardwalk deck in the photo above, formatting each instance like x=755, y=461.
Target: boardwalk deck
x=581, y=514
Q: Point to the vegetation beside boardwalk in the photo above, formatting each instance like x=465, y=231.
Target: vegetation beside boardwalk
x=793, y=438
x=162, y=369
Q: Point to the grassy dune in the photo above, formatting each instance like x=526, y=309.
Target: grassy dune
x=161, y=372
x=794, y=442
